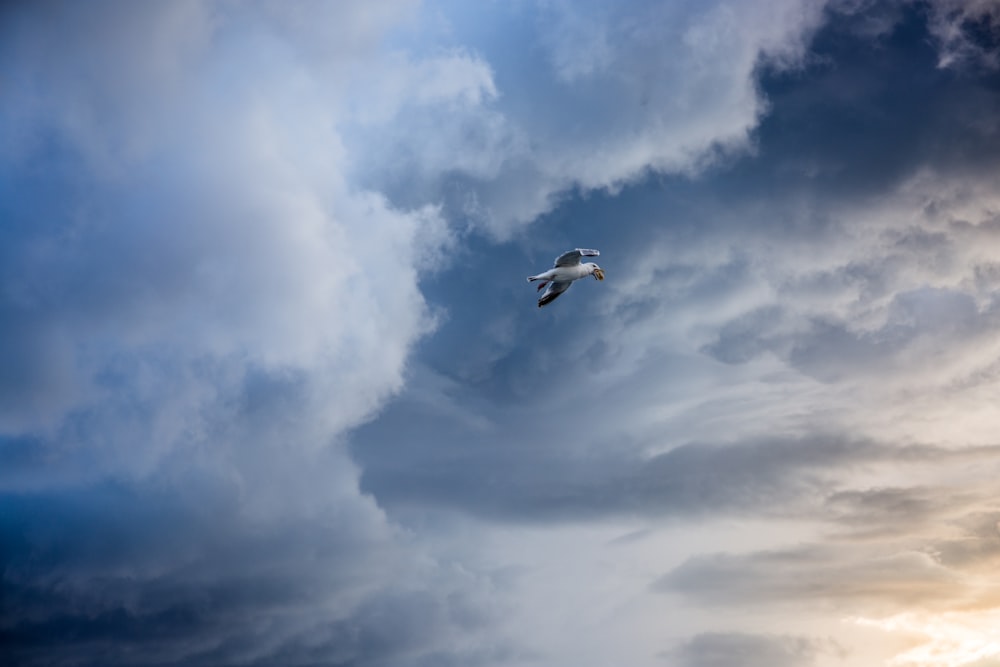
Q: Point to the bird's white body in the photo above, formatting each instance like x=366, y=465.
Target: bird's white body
x=567, y=273
x=567, y=269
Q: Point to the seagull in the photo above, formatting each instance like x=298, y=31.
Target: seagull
x=566, y=269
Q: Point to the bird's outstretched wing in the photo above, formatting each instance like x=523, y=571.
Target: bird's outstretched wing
x=572, y=257
x=552, y=292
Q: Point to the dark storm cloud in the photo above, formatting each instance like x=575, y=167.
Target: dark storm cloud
x=868, y=110
x=142, y=575
x=967, y=33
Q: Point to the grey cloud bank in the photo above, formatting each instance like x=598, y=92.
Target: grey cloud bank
x=719, y=650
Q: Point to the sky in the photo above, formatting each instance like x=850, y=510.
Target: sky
x=274, y=390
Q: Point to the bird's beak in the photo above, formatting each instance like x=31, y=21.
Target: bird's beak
x=599, y=274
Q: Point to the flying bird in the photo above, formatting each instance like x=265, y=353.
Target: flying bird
x=567, y=268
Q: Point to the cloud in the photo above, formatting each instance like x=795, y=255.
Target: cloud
x=197, y=306
x=723, y=649
x=150, y=573
x=881, y=513
x=912, y=565
x=952, y=638
x=644, y=86
x=656, y=470
x=816, y=574
x=900, y=289
x=233, y=252
x=230, y=230
x=966, y=31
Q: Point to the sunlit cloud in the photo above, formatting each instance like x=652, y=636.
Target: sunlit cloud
x=949, y=639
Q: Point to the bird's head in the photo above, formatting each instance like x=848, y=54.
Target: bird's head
x=597, y=271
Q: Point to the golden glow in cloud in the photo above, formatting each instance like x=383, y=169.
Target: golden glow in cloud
x=949, y=639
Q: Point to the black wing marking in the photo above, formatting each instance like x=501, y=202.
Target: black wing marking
x=552, y=292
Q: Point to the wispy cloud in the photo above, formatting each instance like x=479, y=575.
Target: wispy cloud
x=720, y=649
